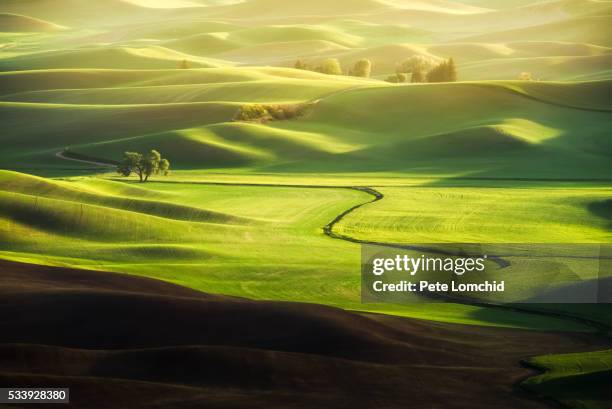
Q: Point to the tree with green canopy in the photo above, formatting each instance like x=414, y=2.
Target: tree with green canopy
x=330, y=66
x=143, y=166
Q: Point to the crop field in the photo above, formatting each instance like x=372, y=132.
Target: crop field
x=484, y=214
x=514, y=148
x=254, y=241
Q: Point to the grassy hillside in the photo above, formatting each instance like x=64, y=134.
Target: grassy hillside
x=38, y=80
x=247, y=206
x=527, y=129
x=579, y=68
x=254, y=241
x=493, y=130
x=481, y=215
x=592, y=29
x=573, y=379
x=15, y=23
x=277, y=90
x=103, y=123
x=133, y=35
x=119, y=58
x=78, y=12
x=178, y=112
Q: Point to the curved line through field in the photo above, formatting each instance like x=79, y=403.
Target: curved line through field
x=599, y=328
x=329, y=231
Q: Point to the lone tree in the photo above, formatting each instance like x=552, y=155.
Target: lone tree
x=184, y=65
x=143, y=166
x=362, y=68
x=330, y=66
x=300, y=65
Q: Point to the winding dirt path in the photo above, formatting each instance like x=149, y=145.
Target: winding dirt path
x=328, y=229
x=601, y=330
x=599, y=327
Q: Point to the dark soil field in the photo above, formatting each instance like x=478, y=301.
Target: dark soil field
x=120, y=341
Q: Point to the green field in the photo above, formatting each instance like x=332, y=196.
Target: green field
x=487, y=159
x=484, y=214
x=261, y=242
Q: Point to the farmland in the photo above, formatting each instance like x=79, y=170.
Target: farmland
x=273, y=210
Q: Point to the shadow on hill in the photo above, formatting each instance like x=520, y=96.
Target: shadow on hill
x=121, y=341
x=602, y=209
x=573, y=387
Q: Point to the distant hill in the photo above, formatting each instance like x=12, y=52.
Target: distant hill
x=77, y=12
x=16, y=23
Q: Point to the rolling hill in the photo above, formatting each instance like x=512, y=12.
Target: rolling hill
x=259, y=224
x=118, y=58
x=78, y=13
x=517, y=123
x=15, y=23
x=488, y=43
x=294, y=353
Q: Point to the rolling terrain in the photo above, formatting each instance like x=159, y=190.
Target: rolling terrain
x=495, y=129
x=248, y=253
x=295, y=353
x=491, y=43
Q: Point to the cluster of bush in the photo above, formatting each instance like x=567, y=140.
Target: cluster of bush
x=331, y=66
x=269, y=112
x=526, y=76
x=424, y=69
x=417, y=68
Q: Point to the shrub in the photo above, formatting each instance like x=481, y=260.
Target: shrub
x=263, y=113
x=330, y=66
x=398, y=78
x=252, y=113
